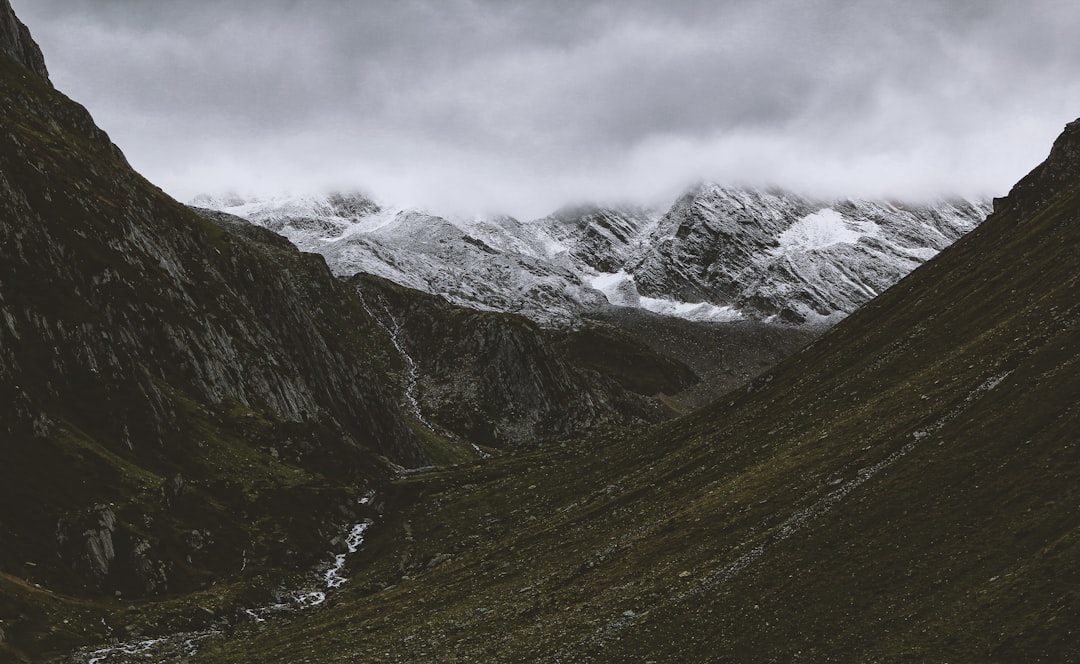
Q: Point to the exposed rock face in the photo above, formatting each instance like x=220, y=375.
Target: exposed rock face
x=774, y=254
x=147, y=574
x=16, y=41
x=603, y=239
x=140, y=342
x=501, y=380
x=1061, y=169
x=719, y=254
x=86, y=542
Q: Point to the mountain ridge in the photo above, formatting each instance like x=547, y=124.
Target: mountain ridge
x=904, y=488
x=718, y=254
x=15, y=40
x=196, y=412
x=171, y=421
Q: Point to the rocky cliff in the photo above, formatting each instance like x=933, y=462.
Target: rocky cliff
x=719, y=254
x=501, y=380
x=163, y=375
x=15, y=40
x=1061, y=169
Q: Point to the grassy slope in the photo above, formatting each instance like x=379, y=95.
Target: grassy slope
x=906, y=488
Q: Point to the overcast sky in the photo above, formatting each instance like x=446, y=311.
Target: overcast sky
x=521, y=106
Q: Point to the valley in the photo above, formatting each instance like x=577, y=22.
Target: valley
x=753, y=426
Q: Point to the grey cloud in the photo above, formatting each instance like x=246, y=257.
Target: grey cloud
x=523, y=104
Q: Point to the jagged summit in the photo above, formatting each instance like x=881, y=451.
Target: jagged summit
x=1059, y=170
x=719, y=254
x=16, y=41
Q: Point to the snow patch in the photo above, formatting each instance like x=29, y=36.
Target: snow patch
x=696, y=311
x=820, y=230
x=620, y=290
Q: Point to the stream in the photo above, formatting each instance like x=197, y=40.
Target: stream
x=185, y=644
x=412, y=375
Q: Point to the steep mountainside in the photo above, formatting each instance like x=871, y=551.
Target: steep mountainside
x=904, y=489
x=719, y=254
x=500, y=380
x=15, y=40
x=494, y=265
x=776, y=254
x=175, y=393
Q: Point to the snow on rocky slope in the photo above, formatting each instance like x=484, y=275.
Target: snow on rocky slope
x=719, y=254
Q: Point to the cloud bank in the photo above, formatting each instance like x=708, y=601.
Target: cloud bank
x=522, y=106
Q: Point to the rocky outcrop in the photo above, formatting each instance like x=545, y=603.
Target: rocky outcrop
x=502, y=381
x=1060, y=170
x=719, y=254
x=86, y=543
x=775, y=255
x=15, y=40
x=602, y=238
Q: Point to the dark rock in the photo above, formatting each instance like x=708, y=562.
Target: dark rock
x=501, y=380
x=149, y=574
x=15, y=40
x=86, y=542
x=171, y=489
x=1060, y=170
x=196, y=540
x=140, y=340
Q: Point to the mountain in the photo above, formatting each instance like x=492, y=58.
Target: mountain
x=185, y=403
x=195, y=408
x=720, y=254
x=903, y=489
x=502, y=381
x=779, y=255
x=15, y=40
x=198, y=416
x=494, y=265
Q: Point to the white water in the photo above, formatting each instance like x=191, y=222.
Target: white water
x=185, y=643
x=412, y=374
x=353, y=540
x=150, y=649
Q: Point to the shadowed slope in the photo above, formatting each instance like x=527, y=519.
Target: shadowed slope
x=904, y=488
x=174, y=395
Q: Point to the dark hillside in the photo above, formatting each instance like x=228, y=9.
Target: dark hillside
x=162, y=375
x=500, y=380
x=905, y=489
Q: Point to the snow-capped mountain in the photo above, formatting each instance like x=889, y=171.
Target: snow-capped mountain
x=776, y=254
x=719, y=254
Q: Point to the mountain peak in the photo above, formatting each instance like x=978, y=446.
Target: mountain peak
x=16, y=41
x=1061, y=169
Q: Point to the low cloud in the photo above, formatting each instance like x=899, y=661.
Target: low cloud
x=478, y=105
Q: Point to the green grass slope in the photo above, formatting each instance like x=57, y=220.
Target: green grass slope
x=907, y=488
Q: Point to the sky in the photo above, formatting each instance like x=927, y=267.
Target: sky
x=520, y=107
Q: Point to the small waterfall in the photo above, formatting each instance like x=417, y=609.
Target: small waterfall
x=412, y=374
